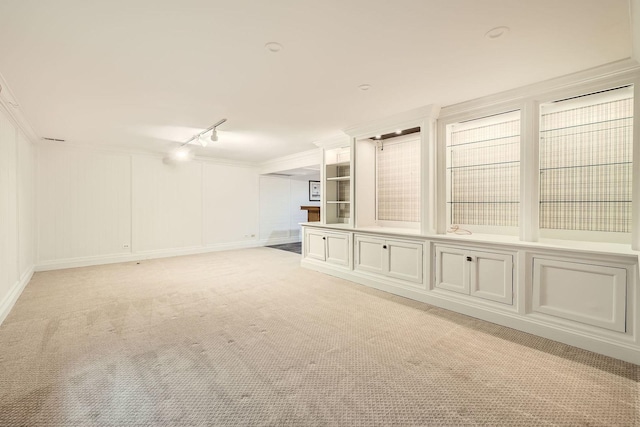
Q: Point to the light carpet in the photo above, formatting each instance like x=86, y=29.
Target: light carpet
x=243, y=338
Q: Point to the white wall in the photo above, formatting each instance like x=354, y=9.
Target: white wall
x=167, y=204
x=280, y=213
x=230, y=197
x=300, y=197
x=84, y=203
x=99, y=206
x=17, y=195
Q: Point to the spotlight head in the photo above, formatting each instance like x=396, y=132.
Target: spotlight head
x=214, y=135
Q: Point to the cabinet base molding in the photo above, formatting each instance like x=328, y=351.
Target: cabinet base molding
x=618, y=349
x=580, y=298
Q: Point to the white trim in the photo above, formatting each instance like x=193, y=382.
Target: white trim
x=582, y=249
x=311, y=157
x=139, y=152
x=635, y=190
x=15, y=113
x=528, y=99
x=622, y=347
x=634, y=25
x=14, y=293
x=280, y=240
x=445, y=125
x=337, y=141
x=405, y=120
x=529, y=216
x=623, y=70
x=162, y=253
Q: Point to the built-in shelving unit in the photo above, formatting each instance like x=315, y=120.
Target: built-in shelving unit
x=395, y=237
x=337, y=185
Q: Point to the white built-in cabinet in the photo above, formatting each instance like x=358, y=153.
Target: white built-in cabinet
x=480, y=274
x=333, y=248
x=392, y=258
x=581, y=292
x=581, y=297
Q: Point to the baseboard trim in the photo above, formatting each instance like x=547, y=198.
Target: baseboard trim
x=10, y=299
x=139, y=256
x=624, y=348
x=279, y=241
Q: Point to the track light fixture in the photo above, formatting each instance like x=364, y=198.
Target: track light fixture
x=203, y=141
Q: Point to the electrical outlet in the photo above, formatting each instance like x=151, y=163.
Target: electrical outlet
x=125, y=246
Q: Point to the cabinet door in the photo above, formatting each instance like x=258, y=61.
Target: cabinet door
x=404, y=260
x=491, y=276
x=314, y=245
x=586, y=293
x=337, y=248
x=369, y=254
x=451, y=270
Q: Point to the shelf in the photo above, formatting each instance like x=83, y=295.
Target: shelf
x=347, y=163
x=337, y=183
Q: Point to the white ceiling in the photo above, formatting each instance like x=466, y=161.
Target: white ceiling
x=148, y=74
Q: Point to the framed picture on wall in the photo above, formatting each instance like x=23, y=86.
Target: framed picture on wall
x=314, y=191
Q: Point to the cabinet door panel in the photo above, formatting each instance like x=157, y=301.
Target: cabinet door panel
x=337, y=249
x=369, y=254
x=585, y=293
x=404, y=260
x=492, y=277
x=314, y=245
x=451, y=270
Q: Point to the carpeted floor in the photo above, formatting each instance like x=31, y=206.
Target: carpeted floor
x=247, y=337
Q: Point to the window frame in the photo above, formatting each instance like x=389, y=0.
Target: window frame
x=528, y=100
x=444, y=132
x=400, y=139
x=586, y=235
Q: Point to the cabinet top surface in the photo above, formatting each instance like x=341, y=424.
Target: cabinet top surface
x=513, y=241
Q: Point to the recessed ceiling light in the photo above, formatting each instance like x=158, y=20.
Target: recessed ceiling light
x=398, y=132
x=496, y=32
x=364, y=86
x=273, y=47
x=378, y=136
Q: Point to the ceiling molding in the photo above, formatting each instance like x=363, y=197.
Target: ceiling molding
x=292, y=161
x=139, y=152
x=624, y=69
x=12, y=107
x=405, y=120
x=634, y=22
x=334, y=142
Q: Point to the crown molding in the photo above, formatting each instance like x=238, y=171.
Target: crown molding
x=634, y=23
x=626, y=69
x=337, y=141
x=404, y=120
x=139, y=152
x=11, y=106
x=292, y=161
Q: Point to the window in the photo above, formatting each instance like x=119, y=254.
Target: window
x=586, y=162
x=483, y=171
x=398, y=179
